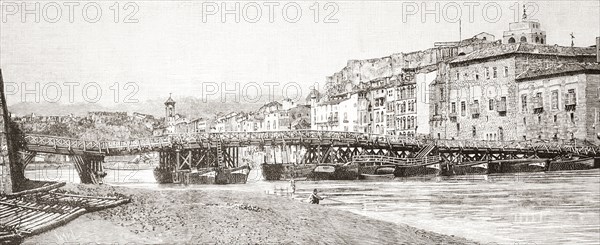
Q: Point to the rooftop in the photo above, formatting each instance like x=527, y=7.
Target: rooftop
x=525, y=48
x=559, y=69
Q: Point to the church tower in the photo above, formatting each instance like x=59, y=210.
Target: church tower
x=525, y=31
x=169, y=110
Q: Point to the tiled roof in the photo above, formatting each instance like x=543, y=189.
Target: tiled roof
x=557, y=69
x=333, y=102
x=525, y=48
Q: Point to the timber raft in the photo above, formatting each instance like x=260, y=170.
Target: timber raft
x=35, y=211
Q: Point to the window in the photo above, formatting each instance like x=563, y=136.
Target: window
x=571, y=97
x=487, y=73
x=474, y=132
x=506, y=71
x=435, y=109
x=457, y=75
x=463, y=108
x=495, y=72
x=491, y=104
x=554, y=99
x=453, y=108
x=502, y=107
x=524, y=103
x=476, y=75
x=555, y=118
x=442, y=93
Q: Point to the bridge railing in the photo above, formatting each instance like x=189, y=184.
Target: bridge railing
x=162, y=141
x=389, y=160
x=62, y=142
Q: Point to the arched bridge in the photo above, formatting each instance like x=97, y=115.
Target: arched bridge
x=188, y=151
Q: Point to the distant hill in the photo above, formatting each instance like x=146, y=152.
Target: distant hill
x=189, y=106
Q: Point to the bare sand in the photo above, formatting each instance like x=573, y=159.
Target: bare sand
x=226, y=217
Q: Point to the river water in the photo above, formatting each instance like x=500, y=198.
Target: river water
x=521, y=208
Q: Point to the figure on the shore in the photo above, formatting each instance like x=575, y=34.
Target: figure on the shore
x=314, y=197
x=293, y=185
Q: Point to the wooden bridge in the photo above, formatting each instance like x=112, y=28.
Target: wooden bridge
x=200, y=150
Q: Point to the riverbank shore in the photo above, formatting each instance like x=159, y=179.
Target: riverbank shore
x=232, y=217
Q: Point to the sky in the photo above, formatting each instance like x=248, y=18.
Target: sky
x=151, y=48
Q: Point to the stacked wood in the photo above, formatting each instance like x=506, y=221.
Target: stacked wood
x=36, y=211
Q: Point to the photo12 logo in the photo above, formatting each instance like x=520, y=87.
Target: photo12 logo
x=253, y=12
x=469, y=11
x=71, y=11
x=90, y=92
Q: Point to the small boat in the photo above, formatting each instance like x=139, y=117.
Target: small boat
x=237, y=175
x=163, y=175
x=286, y=171
x=419, y=167
x=334, y=172
x=480, y=167
x=574, y=164
x=385, y=172
x=517, y=165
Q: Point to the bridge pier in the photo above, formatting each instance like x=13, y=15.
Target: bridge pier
x=89, y=168
x=27, y=158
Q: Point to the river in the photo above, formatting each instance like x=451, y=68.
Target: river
x=522, y=208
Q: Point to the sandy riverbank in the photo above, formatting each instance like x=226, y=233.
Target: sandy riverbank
x=210, y=216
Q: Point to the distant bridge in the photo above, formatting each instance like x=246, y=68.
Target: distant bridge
x=187, y=151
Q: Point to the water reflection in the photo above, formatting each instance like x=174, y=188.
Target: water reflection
x=521, y=208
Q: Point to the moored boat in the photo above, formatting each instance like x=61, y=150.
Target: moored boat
x=163, y=175
x=237, y=175
x=385, y=172
x=476, y=168
x=430, y=165
x=286, y=171
x=334, y=172
x=574, y=164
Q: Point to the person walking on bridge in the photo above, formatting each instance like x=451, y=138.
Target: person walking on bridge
x=314, y=197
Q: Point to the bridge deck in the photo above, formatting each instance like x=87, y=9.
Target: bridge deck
x=61, y=145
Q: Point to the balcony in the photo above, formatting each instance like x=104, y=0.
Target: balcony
x=538, y=105
x=501, y=106
x=333, y=120
x=571, y=102
x=571, y=99
x=475, y=110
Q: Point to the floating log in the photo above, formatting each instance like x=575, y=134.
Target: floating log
x=36, y=190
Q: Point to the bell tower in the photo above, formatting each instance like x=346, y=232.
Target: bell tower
x=169, y=109
x=525, y=31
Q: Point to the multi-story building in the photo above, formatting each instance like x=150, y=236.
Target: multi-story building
x=339, y=113
x=477, y=96
x=560, y=102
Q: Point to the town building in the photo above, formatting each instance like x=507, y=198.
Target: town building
x=525, y=31
x=560, y=102
x=477, y=95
